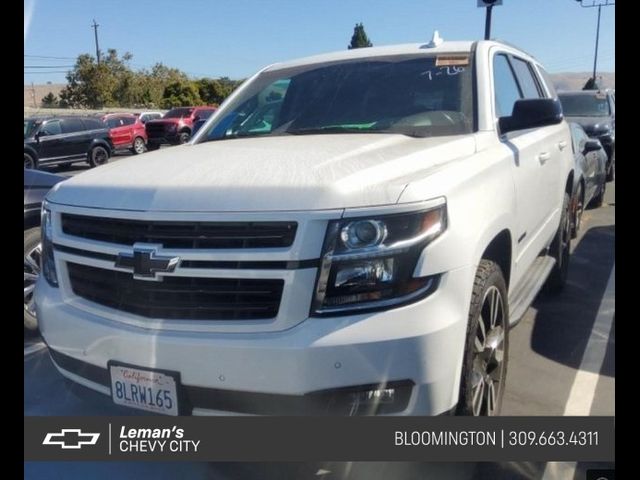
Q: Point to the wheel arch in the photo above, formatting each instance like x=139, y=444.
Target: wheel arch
x=500, y=251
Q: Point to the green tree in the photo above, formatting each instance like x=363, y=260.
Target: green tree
x=179, y=94
x=359, y=38
x=95, y=85
x=49, y=100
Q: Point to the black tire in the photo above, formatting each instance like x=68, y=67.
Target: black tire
x=30, y=163
x=611, y=168
x=577, y=210
x=138, y=146
x=486, y=356
x=184, y=137
x=560, y=250
x=152, y=146
x=598, y=200
x=98, y=155
x=31, y=272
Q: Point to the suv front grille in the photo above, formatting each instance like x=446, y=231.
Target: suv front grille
x=209, y=235
x=155, y=129
x=178, y=298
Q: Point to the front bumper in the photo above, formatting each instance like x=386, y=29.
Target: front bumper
x=171, y=139
x=420, y=345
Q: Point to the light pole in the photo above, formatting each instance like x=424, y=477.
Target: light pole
x=593, y=4
x=488, y=4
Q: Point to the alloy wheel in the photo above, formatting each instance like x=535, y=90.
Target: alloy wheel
x=488, y=361
x=31, y=273
x=28, y=162
x=138, y=145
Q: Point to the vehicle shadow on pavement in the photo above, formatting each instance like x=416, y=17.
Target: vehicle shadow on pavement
x=564, y=323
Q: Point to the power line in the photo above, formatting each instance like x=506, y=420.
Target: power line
x=48, y=66
x=48, y=72
x=45, y=56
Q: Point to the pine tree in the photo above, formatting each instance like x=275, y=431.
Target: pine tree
x=359, y=38
x=49, y=100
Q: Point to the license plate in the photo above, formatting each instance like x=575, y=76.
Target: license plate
x=149, y=390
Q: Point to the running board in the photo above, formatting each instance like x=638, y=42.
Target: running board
x=529, y=287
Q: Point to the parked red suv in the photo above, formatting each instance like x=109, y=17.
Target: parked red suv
x=127, y=132
x=175, y=127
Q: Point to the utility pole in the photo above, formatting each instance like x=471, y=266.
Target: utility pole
x=95, y=32
x=488, y=4
x=599, y=4
x=33, y=95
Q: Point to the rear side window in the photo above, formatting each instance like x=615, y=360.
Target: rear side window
x=52, y=127
x=528, y=83
x=506, y=89
x=72, y=125
x=128, y=120
x=113, y=122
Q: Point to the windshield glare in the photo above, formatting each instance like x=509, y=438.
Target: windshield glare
x=410, y=95
x=584, y=105
x=178, y=113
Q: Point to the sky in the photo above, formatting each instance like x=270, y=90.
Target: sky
x=235, y=38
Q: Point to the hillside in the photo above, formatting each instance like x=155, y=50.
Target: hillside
x=576, y=80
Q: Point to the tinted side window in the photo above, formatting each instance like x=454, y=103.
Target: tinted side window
x=128, y=120
x=52, y=127
x=94, y=124
x=113, y=122
x=527, y=82
x=505, y=87
x=72, y=125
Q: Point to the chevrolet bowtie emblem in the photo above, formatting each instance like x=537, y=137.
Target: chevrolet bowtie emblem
x=71, y=438
x=145, y=263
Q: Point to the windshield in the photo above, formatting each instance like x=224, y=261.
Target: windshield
x=30, y=127
x=585, y=105
x=410, y=95
x=178, y=113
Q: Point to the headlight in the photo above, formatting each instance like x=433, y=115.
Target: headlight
x=368, y=263
x=48, y=264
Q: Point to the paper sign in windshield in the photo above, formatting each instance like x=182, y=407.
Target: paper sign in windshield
x=452, y=60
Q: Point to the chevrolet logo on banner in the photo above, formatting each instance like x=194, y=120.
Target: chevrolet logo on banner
x=71, y=438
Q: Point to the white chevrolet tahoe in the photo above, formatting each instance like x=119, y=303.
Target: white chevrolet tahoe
x=351, y=234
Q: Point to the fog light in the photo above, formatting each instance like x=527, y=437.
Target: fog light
x=368, y=401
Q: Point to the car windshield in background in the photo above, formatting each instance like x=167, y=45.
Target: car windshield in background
x=410, y=95
x=585, y=105
x=178, y=113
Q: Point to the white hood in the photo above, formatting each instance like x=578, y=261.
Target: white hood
x=306, y=172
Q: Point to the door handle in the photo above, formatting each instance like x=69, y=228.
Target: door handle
x=562, y=144
x=543, y=157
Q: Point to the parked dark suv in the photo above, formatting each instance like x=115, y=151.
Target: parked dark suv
x=64, y=140
x=595, y=111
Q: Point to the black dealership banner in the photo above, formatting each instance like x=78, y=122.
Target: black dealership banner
x=320, y=438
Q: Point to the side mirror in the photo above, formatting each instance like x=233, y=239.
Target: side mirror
x=591, y=146
x=532, y=113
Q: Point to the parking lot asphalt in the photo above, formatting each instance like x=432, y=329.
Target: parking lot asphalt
x=561, y=362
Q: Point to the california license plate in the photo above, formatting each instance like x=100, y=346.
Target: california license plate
x=149, y=390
